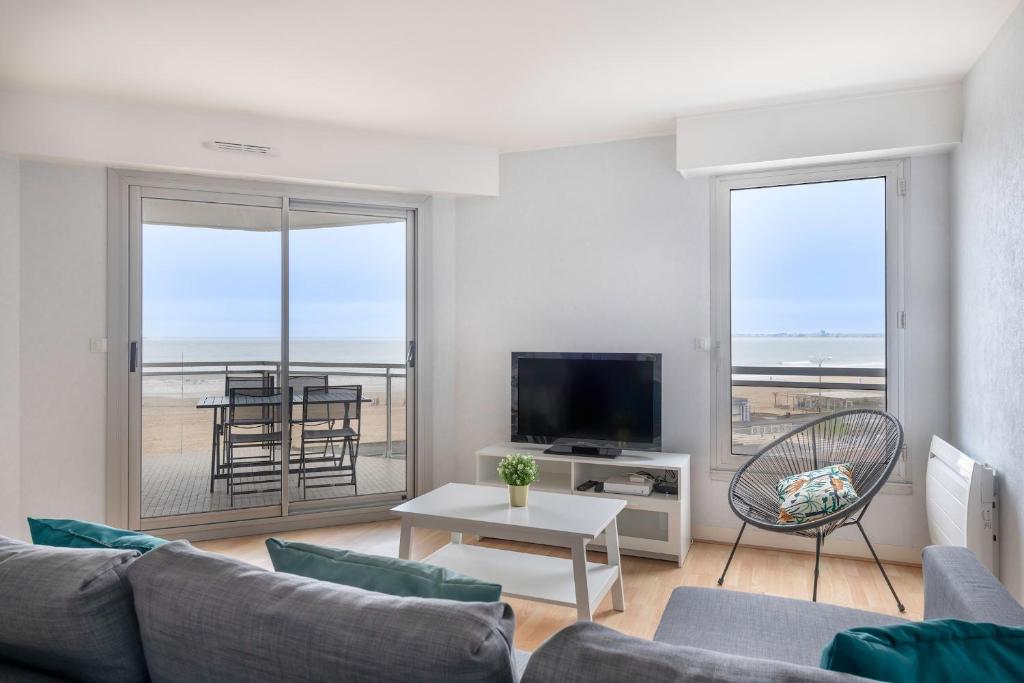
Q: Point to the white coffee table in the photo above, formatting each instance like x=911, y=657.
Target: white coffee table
x=550, y=518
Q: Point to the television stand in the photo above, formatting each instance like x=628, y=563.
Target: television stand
x=591, y=451
x=657, y=525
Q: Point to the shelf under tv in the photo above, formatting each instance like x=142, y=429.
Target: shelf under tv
x=657, y=525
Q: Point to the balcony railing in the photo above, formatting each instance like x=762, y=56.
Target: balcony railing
x=388, y=372
x=751, y=377
x=798, y=394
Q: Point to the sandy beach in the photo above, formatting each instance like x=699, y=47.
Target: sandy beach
x=172, y=425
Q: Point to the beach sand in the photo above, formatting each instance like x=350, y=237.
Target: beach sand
x=772, y=407
x=173, y=425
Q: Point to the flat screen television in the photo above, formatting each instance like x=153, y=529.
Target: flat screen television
x=592, y=404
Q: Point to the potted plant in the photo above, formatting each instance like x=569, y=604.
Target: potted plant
x=518, y=471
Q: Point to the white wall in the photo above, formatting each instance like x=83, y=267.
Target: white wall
x=162, y=138
x=439, y=326
x=10, y=453
x=826, y=131
x=988, y=277
x=435, y=343
x=63, y=304
x=606, y=248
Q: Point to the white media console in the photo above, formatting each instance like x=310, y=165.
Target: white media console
x=657, y=525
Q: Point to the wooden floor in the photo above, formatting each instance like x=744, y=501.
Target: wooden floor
x=848, y=582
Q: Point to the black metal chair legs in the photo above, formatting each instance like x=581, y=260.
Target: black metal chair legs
x=881, y=568
x=817, y=563
x=721, y=579
x=818, y=540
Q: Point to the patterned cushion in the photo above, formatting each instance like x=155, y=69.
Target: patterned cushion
x=805, y=496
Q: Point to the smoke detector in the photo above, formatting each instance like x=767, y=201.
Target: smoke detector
x=242, y=147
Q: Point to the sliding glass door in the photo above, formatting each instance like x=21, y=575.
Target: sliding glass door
x=348, y=322
x=270, y=342
x=211, y=322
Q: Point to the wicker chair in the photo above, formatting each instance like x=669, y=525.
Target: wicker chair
x=869, y=440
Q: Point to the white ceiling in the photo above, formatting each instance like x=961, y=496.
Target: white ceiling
x=510, y=74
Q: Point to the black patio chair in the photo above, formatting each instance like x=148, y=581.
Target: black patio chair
x=331, y=419
x=254, y=426
x=298, y=383
x=869, y=440
x=232, y=380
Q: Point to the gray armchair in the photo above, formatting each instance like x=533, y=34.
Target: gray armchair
x=869, y=440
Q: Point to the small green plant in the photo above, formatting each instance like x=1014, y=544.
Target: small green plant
x=518, y=469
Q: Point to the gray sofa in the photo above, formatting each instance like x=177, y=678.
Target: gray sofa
x=712, y=634
x=180, y=614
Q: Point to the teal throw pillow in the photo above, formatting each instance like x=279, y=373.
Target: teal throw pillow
x=73, y=533
x=390, y=575
x=934, y=651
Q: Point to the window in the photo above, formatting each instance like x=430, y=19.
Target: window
x=807, y=301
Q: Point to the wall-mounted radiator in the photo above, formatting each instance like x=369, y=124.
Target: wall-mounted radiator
x=961, y=500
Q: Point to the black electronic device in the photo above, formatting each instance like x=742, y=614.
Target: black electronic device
x=665, y=487
x=590, y=404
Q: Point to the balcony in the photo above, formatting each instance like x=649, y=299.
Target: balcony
x=177, y=437
x=768, y=401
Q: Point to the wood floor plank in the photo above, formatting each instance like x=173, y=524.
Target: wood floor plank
x=648, y=583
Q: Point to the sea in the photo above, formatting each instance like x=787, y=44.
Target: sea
x=189, y=382
x=829, y=351
x=190, y=350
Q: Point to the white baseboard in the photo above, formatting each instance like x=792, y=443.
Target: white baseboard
x=832, y=546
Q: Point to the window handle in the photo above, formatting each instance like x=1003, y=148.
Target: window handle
x=410, y=358
x=133, y=356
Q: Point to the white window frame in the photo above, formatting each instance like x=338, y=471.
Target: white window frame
x=723, y=462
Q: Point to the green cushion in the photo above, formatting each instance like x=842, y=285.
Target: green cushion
x=73, y=533
x=933, y=651
x=390, y=575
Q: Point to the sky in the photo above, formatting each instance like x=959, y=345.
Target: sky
x=807, y=258
x=345, y=282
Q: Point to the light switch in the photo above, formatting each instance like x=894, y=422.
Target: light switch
x=98, y=344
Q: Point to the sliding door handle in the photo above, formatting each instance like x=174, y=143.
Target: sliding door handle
x=133, y=356
x=410, y=359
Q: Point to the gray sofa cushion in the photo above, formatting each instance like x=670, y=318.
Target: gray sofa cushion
x=206, y=617
x=751, y=625
x=957, y=586
x=589, y=653
x=12, y=673
x=68, y=612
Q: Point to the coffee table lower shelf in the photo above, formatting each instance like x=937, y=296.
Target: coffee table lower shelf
x=522, y=575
